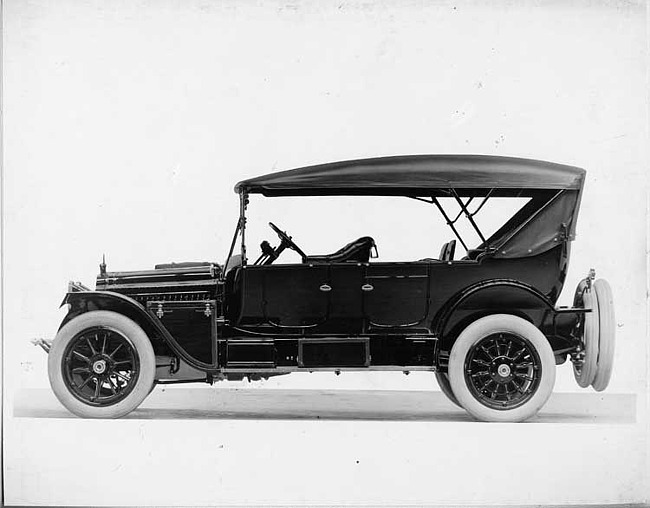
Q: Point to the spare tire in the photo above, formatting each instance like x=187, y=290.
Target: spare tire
x=606, y=334
x=584, y=368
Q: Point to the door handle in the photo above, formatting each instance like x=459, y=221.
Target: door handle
x=367, y=287
x=325, y=288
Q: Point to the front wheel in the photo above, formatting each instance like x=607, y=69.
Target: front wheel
x=101, y=365
x=502, y=369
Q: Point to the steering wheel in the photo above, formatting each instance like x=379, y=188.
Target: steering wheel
x=286, y=240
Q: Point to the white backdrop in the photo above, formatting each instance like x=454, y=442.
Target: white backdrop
x=127, y=124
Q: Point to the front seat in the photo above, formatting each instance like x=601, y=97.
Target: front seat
x=357, y=251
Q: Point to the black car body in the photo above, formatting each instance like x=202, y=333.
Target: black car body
x=347, y=311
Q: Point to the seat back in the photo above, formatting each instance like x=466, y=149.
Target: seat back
x=443, y=251
x=447, y=251
x=357, y=251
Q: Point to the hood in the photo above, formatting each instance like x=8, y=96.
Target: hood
x=170, y=282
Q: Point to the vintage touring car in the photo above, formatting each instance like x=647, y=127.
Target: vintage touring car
x=486, y=323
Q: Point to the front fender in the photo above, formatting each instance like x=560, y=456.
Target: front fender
x=86, y=301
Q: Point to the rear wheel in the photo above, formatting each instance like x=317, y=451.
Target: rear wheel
x=445, y=387
x=101, y=365
x=502, y=369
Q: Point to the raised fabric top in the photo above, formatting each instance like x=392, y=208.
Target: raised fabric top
x=416, y=175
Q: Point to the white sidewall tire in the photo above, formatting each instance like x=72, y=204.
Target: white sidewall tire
x=143, y=349
x=481, y=328
x=445, y=387
x=606, y=334
x=586, y=374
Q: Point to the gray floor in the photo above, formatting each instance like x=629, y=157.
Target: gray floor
x=273, y=404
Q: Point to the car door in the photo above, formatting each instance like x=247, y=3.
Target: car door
x=396, y=294
x=345, y=315
x=294, y=295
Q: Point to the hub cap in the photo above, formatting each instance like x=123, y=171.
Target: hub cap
x=503, y=371
x=100, y=366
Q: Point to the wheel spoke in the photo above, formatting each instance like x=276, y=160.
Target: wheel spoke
x=110, y=385
x=115, y=351
x=85, y=382
x=97, y=388
x=84, y=358
x=122, y=362
x=519, y=353
x=92, y=349
x=489, y=355
x=124, y=378
x=104, y=344
x=79, y=370
x=522, y=391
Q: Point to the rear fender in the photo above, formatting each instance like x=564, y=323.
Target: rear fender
x=498, y=296
x=85, y=301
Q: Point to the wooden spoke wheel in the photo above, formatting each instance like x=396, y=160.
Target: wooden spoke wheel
x=101, y=365
x=502, y=369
